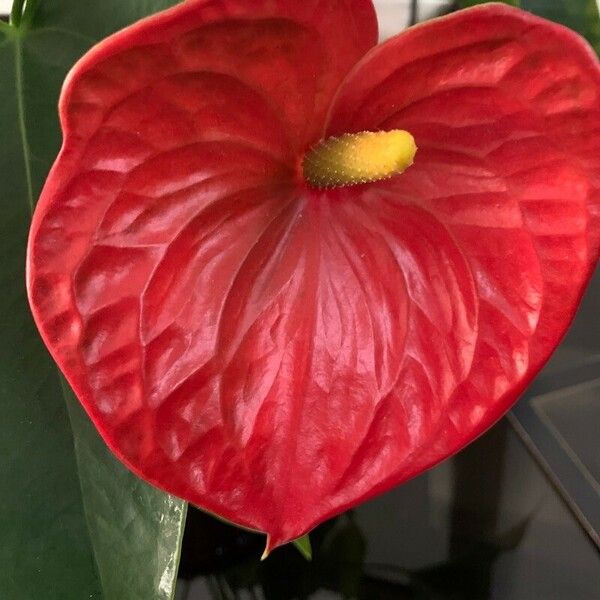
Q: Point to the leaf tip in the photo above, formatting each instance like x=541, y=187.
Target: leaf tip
x=304, y=546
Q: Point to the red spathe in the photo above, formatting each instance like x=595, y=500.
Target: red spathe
x=275, y=354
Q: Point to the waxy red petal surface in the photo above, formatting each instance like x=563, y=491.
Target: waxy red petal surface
x=276, y=354
x=505, y=108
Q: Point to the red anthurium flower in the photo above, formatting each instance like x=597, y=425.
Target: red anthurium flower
x=276, y=346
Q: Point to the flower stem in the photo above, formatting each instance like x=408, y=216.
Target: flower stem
x=16, y=13
x=22, y=12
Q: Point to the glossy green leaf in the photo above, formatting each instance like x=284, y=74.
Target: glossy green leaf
x=74, y=523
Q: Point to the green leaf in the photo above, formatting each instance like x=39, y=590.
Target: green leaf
x=304, y=547
x=467, y=3
x=74, y=523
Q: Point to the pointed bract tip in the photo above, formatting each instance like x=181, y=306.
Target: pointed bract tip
x=268, y=548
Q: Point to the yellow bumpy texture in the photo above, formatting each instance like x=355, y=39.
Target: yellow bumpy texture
x=357, y=158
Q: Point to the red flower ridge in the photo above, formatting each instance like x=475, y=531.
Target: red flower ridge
x=274, y=353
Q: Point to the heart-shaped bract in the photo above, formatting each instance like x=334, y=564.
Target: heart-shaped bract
x=275, y=353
